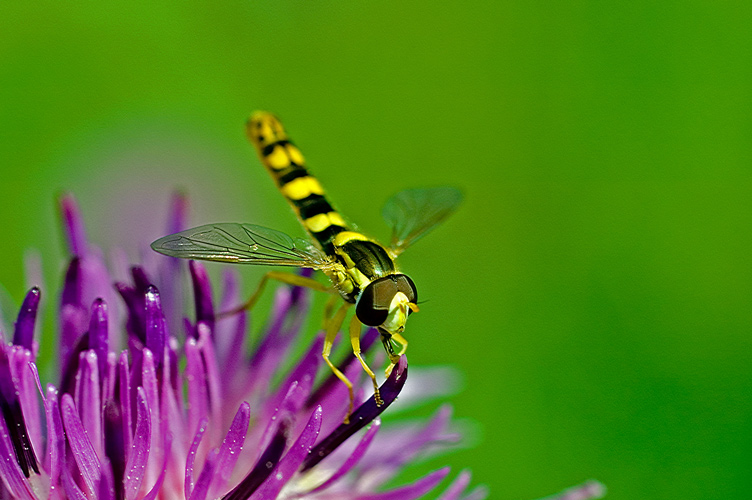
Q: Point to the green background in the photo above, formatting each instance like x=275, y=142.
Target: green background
x=594, y=288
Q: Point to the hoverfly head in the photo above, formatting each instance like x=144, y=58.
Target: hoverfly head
x=387, y=302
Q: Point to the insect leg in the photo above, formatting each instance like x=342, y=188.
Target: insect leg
x=394, y=357
x=331, y=333
x=329, y=310
x=289, y=278
x=402, y=342
x=355, y=341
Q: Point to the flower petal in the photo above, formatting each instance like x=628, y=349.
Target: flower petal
x=195, y=377
x=230, y=331
x=32, y=263
x=411, y=491
x=126, y=403
x=285, y=326
x=202, y=294
x=287, y=410
x=73, y=284
x=209, y=360
x=173, y=421
x=170, y=268
x=72, y=357
x=98, y=336
x=479, y=493
x=10, y=472
x=403, y=446
x=303, y=373
x=134, y=300
x=55, y=436
x=106, y=482
x=191, y=459
x=354, y=457
x=134, y=305
x=138, y=455
x=114, y=442
x=158, y=430
x=178, y=213
x=204, y=479
x=271, y=487
x=362, y=416
x=585, y=491
x=265, y=464
x=457, y=487
x=10, y=407
x=73, y=225
x=27, y=393
x=24, y=332
x=154, y=321
x=140, y=279
x=163, y=470
x=72, y=491
x=88, y=400
x=230, y=449
x=83, y=451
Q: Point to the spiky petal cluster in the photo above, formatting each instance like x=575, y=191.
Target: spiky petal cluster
x=180, y=410
x=152, y=405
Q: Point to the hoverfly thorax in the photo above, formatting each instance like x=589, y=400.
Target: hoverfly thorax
x=387, y=302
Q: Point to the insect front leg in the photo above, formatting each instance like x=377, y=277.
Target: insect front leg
x=355, y=327
x=393, y=356
x=288, y=278
x=331, y=332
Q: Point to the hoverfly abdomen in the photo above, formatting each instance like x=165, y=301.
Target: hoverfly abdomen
x=286, y=165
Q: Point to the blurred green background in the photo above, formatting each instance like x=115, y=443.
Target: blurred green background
x=595, y=287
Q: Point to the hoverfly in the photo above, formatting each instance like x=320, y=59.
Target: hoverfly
x=360, y=269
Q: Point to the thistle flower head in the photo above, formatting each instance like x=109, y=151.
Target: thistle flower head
x=150, y=404
x=170, y=407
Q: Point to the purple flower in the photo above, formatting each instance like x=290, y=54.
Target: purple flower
x=152, y=405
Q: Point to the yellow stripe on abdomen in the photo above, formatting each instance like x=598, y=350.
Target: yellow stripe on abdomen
x=286, y=165
x=301, y=187
x=320, y=222
x=282, y=156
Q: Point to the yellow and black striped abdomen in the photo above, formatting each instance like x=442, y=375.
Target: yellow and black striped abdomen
x=287, y=167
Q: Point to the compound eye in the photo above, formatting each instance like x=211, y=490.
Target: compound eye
x=406, y=286
x=372, y=308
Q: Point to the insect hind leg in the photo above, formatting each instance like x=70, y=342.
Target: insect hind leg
x=355, y=341
x=288, y=278
x=331, y=333
x=329, y=310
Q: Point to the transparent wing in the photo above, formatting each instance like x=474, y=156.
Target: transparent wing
x=242, y=244
x=412, y=213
